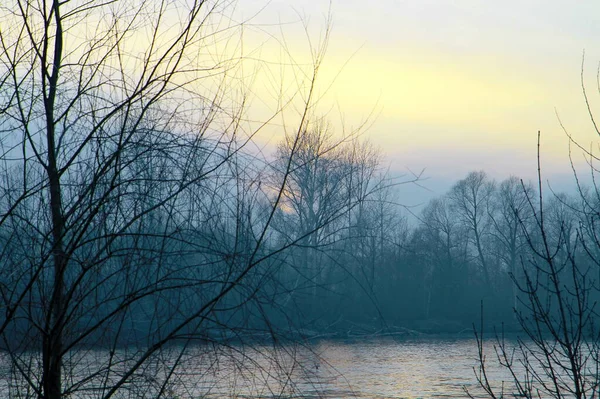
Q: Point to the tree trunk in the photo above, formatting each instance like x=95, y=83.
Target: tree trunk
x=52, y=343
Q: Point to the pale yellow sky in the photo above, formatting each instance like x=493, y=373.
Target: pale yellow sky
x=455, y=85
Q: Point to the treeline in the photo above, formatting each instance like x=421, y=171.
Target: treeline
x=166, y=239
x=464, y=248
x=167, y=236
x=476, y=248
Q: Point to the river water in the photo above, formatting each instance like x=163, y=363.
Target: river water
x=403, y=369
x=373, y=368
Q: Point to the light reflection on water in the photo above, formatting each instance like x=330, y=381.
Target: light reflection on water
x=382, y=368
x=411, y=369
x=404, y=369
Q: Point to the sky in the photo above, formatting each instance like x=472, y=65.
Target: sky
x=450, y=86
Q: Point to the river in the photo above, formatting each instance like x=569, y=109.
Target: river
x=372, y=368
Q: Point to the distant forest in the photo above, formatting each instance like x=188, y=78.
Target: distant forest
x=336, y=257
x=477, y=248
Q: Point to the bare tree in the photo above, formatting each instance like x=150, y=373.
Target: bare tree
x=510, y=213
x=444, y=251
x=470, y=197
x=127, y=220
x=558, y=355
x=337, y=182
